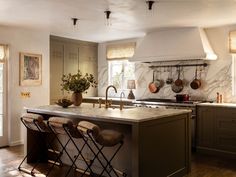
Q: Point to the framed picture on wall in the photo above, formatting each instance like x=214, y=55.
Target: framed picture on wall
x=30, y=69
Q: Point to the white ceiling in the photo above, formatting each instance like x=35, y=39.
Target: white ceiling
x=130, y=18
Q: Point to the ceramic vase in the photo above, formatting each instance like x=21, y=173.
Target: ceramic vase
x=77, y=98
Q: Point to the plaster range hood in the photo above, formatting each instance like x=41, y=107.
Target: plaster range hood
x=187, y=43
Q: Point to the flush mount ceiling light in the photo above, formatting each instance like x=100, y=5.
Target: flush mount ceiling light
x=150, y=4
x=107, y=17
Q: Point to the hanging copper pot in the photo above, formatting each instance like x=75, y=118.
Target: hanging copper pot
x=196, y=83
x=153, y=86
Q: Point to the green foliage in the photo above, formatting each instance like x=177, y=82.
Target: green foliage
x=78, y=82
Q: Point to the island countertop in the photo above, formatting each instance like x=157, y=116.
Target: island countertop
x=128, y=116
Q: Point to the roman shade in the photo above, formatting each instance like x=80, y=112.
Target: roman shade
x=232, y=42
x=120, y=51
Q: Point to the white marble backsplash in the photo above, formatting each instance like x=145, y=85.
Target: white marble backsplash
x=216, y=77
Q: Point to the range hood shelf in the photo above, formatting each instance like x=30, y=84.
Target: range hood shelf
x=187, y=43
x=178, y=65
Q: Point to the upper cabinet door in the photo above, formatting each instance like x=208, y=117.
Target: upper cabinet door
x=56, y=69
x=88, y=64
x=71, y=60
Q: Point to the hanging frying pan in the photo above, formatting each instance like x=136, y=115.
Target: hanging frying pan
x=177, y=86
x=178, y=82
x=153, y=86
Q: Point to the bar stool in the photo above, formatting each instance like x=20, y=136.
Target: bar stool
x=101, y=139
x=35, y=122
x=64, y=126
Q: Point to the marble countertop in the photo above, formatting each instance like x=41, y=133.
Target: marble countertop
x=231, y=105
x=86, y=111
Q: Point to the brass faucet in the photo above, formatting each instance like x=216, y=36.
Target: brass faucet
x=100, y=102
x=106, y=102
x=122, y=94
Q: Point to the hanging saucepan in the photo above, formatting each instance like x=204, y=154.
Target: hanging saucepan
x=178, y=86
x=153, y=87
x=176, y=89
x=169, y=80
x=196, y=83
x=159, y=82
x=178, y=82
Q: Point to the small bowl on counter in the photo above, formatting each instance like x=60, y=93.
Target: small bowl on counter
x=64, y=102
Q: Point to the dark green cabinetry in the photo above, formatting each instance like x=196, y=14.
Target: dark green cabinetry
x=67, y=56
x=216, y=130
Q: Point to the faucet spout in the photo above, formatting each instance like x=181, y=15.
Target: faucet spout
x=110, y=86
x=122, y=94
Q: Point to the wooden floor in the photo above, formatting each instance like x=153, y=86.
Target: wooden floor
x=202, y=166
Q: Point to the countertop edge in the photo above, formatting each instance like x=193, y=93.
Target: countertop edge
x=103, y=118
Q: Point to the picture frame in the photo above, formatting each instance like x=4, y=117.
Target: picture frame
x=30, y=69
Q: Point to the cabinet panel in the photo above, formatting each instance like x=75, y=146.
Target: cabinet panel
x=217, y=125
x=56, y=70
x=226, y=142
x=88, y=64
x=226, y=124
x=205, y=127
x=71, y=60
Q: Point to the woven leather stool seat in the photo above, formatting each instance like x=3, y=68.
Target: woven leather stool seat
x=29, y=120
x=104, y=138
x=109, y=138
x=58, y=124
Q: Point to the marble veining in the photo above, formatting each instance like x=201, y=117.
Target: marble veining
x=216, y=77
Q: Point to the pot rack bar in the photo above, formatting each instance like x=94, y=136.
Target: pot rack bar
x=179, y=65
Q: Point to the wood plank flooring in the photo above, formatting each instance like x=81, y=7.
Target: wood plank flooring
x=202, y=165
x=209, y=166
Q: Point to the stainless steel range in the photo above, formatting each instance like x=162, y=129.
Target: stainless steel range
x=173, y=104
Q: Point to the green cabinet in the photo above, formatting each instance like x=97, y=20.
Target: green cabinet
x=205, y=127
x=68, y=56
x=216, y=130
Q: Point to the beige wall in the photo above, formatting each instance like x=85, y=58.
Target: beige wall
x=23, y=40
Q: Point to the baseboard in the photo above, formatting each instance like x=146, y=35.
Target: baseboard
x=15, y=143
x=216, y=152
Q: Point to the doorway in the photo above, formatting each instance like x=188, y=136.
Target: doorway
x=3, y=96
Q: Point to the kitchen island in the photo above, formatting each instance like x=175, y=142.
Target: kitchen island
x=157, y=141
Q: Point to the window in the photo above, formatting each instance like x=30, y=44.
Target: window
x=233, y=75
x=232, y=50
x=232, y=41
x=119, y=72
x=120, y=69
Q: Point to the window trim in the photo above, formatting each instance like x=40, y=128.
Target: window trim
x=123, y=86
x=233, y=74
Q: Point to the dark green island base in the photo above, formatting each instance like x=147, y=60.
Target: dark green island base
x=157, y=141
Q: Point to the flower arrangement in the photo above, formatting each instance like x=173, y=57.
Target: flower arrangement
x=78, y=83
